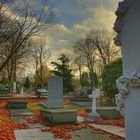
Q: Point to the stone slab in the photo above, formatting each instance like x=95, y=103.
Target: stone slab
x=119, y=131
x=87, y=134
x=33, y=134
x=36, y=134
x=13, y=104
x=81, y=103
x=31, y=125
x=107, y=112
x=18, y=119
x=21, y=112
x=92, y=117
x=60, y=115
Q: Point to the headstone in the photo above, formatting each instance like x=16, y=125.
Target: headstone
x=93, y=116
x=95, y=94
x=128, y=99
x=13, y=104
x=55, y=93
x=22, y=90
x=5, y=92
x=55, y=112
x=14, y=87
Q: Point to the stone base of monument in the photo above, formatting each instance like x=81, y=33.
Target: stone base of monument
x=92, y=117
x=51, y=106
x=107, y=112
x=58, y=116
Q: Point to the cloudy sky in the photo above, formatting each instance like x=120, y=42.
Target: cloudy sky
x=75, y=18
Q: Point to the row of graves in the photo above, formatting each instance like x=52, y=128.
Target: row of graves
x=53, y=107
x=53, y=110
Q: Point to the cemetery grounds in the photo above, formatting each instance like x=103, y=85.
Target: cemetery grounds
x=10, y=123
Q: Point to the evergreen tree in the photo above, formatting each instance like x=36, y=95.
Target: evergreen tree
x=27, y=83
x=62, y=69
x=110, y=74
x=85, y=80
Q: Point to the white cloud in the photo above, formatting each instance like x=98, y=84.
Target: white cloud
x=59, y=29
x=103, y=18
x=62, y=38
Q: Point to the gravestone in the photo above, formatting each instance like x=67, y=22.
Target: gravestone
x=13, y=104
x=22, y=90
x=55, y=111
x=55, y=93
x=93, y=116
x=5, y=92
x=128, y=99
x=14, y=87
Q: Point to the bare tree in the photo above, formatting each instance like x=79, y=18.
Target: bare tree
x=40, y=55
x=103, y=41
x=30, y=18
x=18, y=60
x=86, y=48
x=6, y=21
x=80, y=63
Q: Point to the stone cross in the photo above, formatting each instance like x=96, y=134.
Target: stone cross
x=95, y=94
x=14, y=87
x=22, y=90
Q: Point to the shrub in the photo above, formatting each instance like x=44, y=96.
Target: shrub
x=110, y=74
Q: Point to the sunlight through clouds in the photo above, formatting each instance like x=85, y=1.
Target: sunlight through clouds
x=74, y=19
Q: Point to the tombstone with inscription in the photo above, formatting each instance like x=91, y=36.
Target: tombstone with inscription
x=93, y=116
x=128, y=99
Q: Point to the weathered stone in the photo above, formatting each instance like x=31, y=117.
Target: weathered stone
x=17, y=104
x=60, y=115
x=118, y=25
x=129, y=89
x=117, y=40
x=55, y=93
x=93, y=116
x=21, y=112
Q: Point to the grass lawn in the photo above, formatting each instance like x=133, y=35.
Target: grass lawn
x=36, y=106
x=73, y=106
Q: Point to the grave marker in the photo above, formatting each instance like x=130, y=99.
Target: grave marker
x=93, y=116
x=55, y=92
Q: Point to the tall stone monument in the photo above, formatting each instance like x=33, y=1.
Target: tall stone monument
x=55, y=92
x=55, y=111
x=127, y=26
